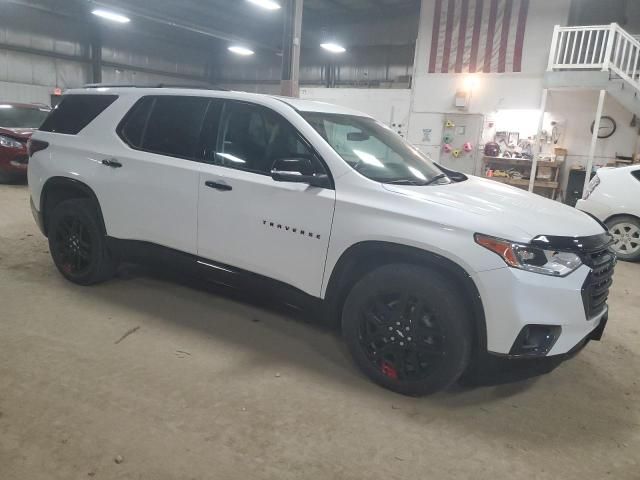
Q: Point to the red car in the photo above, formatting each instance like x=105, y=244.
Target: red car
x=17, y=123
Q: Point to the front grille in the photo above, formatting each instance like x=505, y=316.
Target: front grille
x=596, y=287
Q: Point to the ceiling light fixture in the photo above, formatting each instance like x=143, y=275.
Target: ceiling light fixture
x=266, y=4
x=114, y=17
x=333, y=47
x=241, y=50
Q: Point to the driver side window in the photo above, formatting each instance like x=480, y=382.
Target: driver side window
x=253, y=138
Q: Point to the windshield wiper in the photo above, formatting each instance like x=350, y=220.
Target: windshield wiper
x=417, y=183
x=406, y=181
x=435, y=179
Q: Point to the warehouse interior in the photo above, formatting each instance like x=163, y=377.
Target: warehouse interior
x=155, y=375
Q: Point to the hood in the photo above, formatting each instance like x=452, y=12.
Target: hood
x=19, y=133
x=505, y=206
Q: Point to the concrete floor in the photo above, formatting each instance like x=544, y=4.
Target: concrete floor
x=209, y=387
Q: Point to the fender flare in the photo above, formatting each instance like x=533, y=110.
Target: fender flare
x=364, y=256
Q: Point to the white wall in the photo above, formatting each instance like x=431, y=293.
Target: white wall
x=577, y=109
x=17, y=92
x=390, y=106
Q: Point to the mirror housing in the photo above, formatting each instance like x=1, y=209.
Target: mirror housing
x=299, y=170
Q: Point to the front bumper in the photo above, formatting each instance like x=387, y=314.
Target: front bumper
x=492, y=369
x=515, y=298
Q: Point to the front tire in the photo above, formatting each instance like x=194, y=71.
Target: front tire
x=626, y=235
x=407, y=329
x=77, y=243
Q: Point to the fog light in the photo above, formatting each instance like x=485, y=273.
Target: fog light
x=535, y=340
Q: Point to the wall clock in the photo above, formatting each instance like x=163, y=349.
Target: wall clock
x=607, y=127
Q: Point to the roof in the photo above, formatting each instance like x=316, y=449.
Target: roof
x=295, y=103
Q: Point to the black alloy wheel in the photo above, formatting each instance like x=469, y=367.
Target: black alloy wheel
x=73, y=245
x=401, y=336
x=408, y=328
x=78, y=243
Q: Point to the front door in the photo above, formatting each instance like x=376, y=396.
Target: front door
x=248, y=220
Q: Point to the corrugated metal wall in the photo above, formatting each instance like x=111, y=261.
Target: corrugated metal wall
x=40, y=51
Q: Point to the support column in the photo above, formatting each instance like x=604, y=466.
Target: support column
x=289, y=83
x=594, y=140
x=534, y=162
x=95, y=47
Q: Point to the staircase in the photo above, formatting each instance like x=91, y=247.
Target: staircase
x=603, y=57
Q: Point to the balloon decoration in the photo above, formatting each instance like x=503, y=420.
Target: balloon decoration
x=448, y=138
x=467, y=147
x=447, y=148
x=455, y=153
x=449, y=124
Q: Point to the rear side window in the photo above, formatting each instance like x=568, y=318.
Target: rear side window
x=636, y=173
x=76, y=112
x=166, y=125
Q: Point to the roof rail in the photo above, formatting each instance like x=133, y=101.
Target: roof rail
x=157, y=85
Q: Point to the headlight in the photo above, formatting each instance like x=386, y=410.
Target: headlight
x=595, y=181
x=9, y=142
x=531, y=259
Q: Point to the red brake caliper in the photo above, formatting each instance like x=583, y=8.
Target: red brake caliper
x=389, y=370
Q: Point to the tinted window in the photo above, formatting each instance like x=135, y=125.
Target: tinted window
x=636, y=173
x=174, y=126
x=133, y=127
x=14, y=116
x=76, y=112
x=252, y=138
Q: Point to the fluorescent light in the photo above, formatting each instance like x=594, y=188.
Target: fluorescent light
x=241, y=50
x=6, y=106
x=333, y=47
x=114, y=17
x=266, y=4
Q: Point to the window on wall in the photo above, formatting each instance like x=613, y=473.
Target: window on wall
x=253, y=138
x=166, y=125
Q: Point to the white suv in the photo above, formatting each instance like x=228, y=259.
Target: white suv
x=430, y=274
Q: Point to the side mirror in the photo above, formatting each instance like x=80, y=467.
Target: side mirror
x=298, y=170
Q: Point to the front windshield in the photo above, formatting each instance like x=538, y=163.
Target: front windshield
x=20, y=117
x=375, y=150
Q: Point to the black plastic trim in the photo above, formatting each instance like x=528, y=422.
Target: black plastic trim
x=369, y=254
x=588, y=244
x=66, y=184
x=212, y=271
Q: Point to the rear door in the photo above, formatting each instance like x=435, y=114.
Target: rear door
x=149, y=184
x=246, y=219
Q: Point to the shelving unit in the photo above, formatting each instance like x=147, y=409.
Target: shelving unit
x=524, y=167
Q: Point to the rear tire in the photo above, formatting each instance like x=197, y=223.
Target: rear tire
x=626, y=234
x=77, y=243
x=407, y=329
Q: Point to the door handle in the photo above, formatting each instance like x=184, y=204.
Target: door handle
x=111, y=162
x=218, y=186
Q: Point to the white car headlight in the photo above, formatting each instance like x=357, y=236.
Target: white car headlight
x=531, y=259
x=9, y=142
x=595, y=181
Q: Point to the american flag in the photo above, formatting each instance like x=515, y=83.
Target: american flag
x=478, y=36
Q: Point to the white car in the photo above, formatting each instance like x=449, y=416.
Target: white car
x=430, y=274
x=613, y=197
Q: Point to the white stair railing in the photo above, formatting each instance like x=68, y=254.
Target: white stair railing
x=599, y=47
